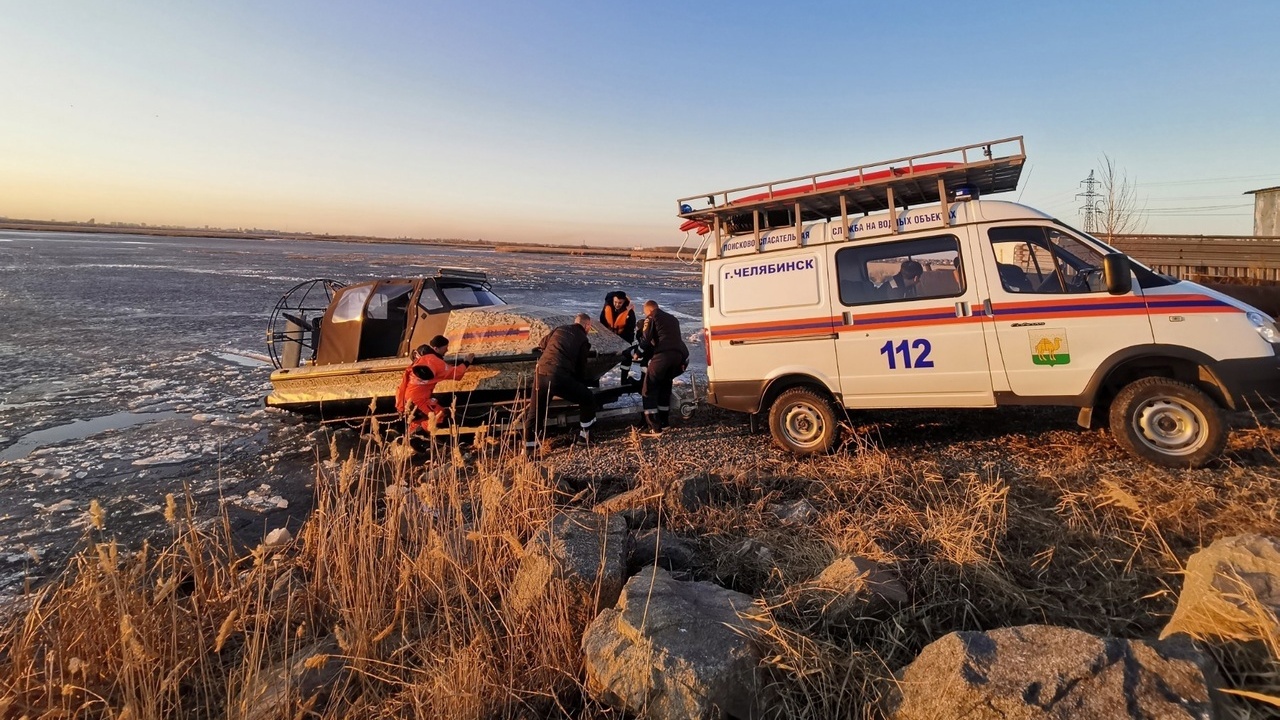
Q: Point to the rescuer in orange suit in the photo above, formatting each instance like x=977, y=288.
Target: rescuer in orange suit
x=620, y=317
x=414, y=397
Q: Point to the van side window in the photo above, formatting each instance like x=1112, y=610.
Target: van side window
x=1040, y=260
x=903, y=270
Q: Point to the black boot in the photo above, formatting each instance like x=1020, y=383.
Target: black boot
x=664, y=418
x=584, y=432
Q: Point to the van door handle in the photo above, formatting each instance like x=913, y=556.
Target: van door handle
x=962, y=309
x=846, y=317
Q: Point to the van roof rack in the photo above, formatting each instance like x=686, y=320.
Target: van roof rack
x=987, y=167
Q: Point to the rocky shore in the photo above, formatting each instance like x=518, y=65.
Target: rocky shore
x=939, y=565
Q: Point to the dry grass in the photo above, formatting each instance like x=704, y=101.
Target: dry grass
x=390, y=602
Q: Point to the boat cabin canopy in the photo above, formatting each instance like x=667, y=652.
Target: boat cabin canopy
x=384, y=318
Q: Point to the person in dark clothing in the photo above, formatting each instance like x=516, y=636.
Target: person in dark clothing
x=561, y=371
x=906, y=284
x=618, y=316
x=663, y=348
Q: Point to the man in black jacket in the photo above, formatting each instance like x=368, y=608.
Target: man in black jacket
x=562, y=372
x=667, y=356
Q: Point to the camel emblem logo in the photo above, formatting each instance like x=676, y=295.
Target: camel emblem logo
x=1049, y=347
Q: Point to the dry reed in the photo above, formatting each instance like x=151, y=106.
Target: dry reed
x=390, y=602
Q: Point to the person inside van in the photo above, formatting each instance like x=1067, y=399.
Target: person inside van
x=905, y=284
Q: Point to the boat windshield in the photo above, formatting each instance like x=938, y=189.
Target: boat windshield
x=464, y=295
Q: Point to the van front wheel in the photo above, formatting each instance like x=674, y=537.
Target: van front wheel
x=1169, y=423
x=803, y=422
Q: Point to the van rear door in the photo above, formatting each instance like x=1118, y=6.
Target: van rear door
x=769, y=315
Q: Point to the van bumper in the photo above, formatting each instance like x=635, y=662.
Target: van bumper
x=1248, y=380
x=738, y=395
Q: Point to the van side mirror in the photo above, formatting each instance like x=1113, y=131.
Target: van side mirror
x=1117, y=273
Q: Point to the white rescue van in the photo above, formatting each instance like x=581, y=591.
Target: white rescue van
x=894, y=286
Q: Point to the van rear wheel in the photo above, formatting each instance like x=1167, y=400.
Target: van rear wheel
x=1168, y=422
x=803, y=422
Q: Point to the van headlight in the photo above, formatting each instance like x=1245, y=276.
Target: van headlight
x=1265, y=327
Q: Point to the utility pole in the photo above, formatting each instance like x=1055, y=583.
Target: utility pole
x=1092, y=198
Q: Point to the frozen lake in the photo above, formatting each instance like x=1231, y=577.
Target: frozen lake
x=131, y=370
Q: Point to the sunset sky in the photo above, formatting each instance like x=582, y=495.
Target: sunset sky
x=583, y=122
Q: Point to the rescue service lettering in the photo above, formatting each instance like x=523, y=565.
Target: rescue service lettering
x=870, y=224
x=766, y=241
x=769, y=268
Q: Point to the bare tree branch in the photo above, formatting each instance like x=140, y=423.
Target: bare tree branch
x=1122, y=213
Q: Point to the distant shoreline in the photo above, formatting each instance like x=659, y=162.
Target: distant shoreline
x=658, y=253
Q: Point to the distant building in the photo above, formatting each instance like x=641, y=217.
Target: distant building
x=1266, y=211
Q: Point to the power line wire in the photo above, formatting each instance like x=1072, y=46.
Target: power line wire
x=1209, y=181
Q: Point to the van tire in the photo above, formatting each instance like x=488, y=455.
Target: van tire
x=803, y=422
x=1168, y=422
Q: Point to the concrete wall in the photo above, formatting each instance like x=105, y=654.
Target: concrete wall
x=1266, y=213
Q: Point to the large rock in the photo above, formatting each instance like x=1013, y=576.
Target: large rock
x=660, y=547
x=851, y=586
x=634, y=498
x=674, y=649
x=585, y=551
x=276, y=691
x=1040, y=671
x=1231, y=591
x=691, y=492
x=797, y=513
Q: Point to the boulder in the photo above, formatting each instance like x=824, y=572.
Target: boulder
x=640, y=518
x=635, y=498
x=278, y=538
x=317, y=669
x=661, y=547
x=1040, y=671
x=674, y=649
x=585, y=551
x=795, y=513
x=287, y=588
x=752, y=550
x=691, y=492
x=851, y=585
x=1231, y=591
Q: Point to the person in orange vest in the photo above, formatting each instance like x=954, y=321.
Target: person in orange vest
x=618, y=315
x=414, y=398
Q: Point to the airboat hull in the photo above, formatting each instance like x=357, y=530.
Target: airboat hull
x=355, y=388
x=504, y=339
